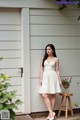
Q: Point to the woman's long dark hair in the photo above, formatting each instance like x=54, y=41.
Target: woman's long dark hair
x=46, y=55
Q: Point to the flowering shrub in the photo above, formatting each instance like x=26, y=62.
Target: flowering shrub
x=7, y=101
x=66, y=81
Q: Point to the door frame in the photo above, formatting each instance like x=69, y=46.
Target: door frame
x=25, y=60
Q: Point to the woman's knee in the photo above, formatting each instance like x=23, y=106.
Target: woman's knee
x=53, y=95
x=44, y=95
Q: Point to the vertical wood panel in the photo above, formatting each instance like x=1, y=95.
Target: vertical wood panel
x=25, y=60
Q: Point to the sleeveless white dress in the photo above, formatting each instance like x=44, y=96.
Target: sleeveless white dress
x=50, y=82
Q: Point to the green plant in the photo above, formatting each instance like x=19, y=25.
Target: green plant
x=7, y=97
x=77, y=104
x=66, y=81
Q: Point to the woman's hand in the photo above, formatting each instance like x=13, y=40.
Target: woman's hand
x=60, y=83
x=40, y=82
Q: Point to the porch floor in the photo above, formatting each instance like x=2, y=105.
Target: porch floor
x=62, y=117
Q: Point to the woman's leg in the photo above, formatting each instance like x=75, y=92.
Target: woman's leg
x=47, y=102
x=49, y=106
x=53, y=101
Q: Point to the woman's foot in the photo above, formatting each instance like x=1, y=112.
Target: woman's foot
x=48, y=117
x=54, y=114
x=51, y=116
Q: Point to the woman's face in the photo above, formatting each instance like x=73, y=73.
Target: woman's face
x=49, y=50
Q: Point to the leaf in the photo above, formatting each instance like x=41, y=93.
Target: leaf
x=79, y=18
x=75, y=104
x=4, y=86
x=5, y=106
x=62, y=7
x=1, y=58
x=4, y=77
x=18, y=102
x=13, y=92
x=78, y=83
x=3, y=99
x=11, y=96
x=7, y=95
x=1, y=106
x=7, y=84
x=1, y=87
x=12, y=106
x=0, y=93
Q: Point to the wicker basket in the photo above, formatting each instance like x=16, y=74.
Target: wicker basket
x=65, y=86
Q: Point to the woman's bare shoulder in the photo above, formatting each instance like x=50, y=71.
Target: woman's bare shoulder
x=56, y=59
x=42, y=58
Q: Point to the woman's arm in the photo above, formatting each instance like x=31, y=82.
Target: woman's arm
x=57, y=69
x=41, y=71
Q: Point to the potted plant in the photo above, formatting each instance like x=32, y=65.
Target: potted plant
x=66, y=81
x=7, y=97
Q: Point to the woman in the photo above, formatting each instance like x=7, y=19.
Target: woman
x=50, y=82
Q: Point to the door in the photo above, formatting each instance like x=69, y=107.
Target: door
x=10, y=47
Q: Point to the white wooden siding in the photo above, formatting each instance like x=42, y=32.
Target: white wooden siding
x=28, y=3
x=56, y=30
x=59, y=42
x=8, y=53
x=10, y=47
x=51, y=20
x=8, y=35
x=54, y=12
x=63, y=30
x=12, y=14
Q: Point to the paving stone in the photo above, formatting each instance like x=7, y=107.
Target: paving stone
x=25, y=117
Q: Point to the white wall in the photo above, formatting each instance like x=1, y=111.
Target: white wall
x=63, y=30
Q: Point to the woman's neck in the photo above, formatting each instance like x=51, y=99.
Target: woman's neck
x=50, y=56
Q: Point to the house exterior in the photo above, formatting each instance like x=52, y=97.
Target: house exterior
x=26, y=27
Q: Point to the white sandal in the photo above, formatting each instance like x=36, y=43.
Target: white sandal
x=52, y=116
x=48, y=118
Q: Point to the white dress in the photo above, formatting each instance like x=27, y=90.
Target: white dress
x=50, y=82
